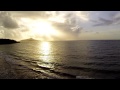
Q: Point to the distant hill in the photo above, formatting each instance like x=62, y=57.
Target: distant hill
x=7, y=41
x=30, y=39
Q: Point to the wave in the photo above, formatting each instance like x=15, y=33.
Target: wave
x=46, y=71
x=54, y=70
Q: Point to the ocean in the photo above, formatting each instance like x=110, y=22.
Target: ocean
x=85, y=59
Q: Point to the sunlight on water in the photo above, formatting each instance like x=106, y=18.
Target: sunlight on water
x=61, y=59
x=45, y=48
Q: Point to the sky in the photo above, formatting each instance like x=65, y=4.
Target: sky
x=60, y=25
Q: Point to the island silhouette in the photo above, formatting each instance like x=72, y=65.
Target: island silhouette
x=7, y=41
x=29, y=39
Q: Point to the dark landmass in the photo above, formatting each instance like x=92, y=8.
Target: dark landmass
x=7, y=41
x=30, y=39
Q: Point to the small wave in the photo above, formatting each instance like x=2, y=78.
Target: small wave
x=83, y=77
x=54, y=71
x=94, y=70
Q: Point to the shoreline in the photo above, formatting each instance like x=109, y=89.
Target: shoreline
x=9, y=70
x=5, y=70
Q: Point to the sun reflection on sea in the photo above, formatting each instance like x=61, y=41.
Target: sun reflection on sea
x=45, y=49
x=45, y=57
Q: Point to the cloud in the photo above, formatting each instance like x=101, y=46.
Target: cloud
x=103, y=22
x=10, y=27
x=108, y=18
x=34, y=14
x=7, y=21
x=27, y=13
x=69, y=18
x=65, y=22
x=117, y=18
x=70, y=31
x=70, y=23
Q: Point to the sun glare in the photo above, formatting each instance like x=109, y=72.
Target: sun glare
x=43, y=28
x=45, y=47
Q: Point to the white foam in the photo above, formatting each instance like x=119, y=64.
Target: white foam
x=83, y=77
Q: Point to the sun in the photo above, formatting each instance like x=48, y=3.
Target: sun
x=43, y=28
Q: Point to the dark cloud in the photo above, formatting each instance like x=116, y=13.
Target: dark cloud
x=71, y=26
x=66, y=27
x=10, y=28
x=110, y=18
x=7, y=21
x=71, y=20
x=104, y=22
x=94, y=21
x=69, y=30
